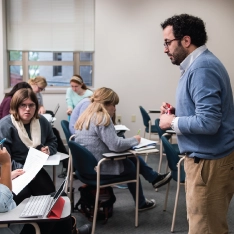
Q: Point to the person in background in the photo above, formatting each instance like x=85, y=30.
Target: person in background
x=23, y=129
x=5, y=105
x=204, y=123
x=38, y=85
x=76, y=93
x=95, y=131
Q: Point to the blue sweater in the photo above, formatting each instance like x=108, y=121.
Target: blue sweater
x=205, y=107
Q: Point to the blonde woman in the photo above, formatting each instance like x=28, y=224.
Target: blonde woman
x=38, y=84
x=95, y=130
x=76, y=93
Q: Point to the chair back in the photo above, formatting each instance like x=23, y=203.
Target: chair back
x=65, y=127
x=160, y=131
x=83, y=160
x=172, y=158
x=145, y=116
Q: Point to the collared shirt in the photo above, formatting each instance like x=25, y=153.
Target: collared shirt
x=6, y=204
x=183, y=67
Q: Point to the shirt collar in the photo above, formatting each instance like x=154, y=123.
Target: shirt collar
x=190, y=58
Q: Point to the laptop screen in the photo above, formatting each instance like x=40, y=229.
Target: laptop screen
x=56, y=109
x=57, y=195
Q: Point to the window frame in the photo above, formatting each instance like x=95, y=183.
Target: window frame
x=25, y=63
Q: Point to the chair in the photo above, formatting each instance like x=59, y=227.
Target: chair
x=149, y=128
x=86, y=164
x=161, y=151
x=177, y=172
x=65, y=127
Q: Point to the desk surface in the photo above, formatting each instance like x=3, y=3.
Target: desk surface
x=170, y=131
x=154, y=111
x=13, y=215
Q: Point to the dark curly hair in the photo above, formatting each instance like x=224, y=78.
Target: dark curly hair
x=187, y=25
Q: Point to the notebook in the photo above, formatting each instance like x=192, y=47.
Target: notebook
x=41, y=206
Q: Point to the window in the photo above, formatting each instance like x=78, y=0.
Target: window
x=56, y=67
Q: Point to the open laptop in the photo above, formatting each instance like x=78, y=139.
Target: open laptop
x=41, y=206
x=56, y=109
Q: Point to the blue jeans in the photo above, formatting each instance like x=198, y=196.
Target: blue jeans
x=130, y=169
x=147, y=172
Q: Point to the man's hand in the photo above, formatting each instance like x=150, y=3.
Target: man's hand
x=165, y=121
x=165, y=107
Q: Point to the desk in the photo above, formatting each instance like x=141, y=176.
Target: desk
x=54, y=164
x=154, y=111
x=12, y=216
x=170, y=131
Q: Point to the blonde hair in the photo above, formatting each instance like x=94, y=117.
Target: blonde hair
x=38, y=80
x=96, y=111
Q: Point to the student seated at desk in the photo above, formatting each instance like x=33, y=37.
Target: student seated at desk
x=24, y=128
x=7, y=203
x=95, y=130
x=76, y=93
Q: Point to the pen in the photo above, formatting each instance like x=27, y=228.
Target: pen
x=3, y=140
x=138, y=131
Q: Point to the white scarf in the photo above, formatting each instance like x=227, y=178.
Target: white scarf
x=35, y=130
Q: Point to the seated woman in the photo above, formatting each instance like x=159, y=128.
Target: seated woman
x=76, y=93
x=95, y=130
x=7, y=203
x=24, y=128
x=5, y=105
x=38, y=84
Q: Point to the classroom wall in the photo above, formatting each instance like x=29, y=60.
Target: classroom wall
x=129, y=54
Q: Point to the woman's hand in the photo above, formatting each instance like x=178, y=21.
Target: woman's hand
x=45, y=150
x=69, y=111
x=41, y=110
x=16, y=173
x=138, y=138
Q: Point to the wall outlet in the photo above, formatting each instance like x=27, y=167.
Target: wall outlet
x=133, y=118
x=118, y=119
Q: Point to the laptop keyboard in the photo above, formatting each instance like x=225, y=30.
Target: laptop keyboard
x=36, y=206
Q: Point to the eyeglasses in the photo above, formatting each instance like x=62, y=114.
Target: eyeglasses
x=25, y=106
x=40, y=89
x=168, y=43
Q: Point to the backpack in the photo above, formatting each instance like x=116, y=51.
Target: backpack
x=86, y=202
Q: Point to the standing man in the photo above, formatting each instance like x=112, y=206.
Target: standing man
x=203, y=122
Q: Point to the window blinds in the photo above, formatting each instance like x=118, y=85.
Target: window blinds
x=50, y=25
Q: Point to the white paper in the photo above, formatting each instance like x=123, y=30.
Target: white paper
x=53, y=160
x=121, y=128
x=33, y=164
x=145, y=142
x=145, y=148
x=49, y=117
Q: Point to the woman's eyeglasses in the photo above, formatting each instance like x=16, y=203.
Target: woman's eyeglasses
x=25, y=106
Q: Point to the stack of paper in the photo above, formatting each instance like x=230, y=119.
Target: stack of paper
x=145, y=144
x=121, y=128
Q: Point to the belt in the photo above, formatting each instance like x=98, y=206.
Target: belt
x=196, y=159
